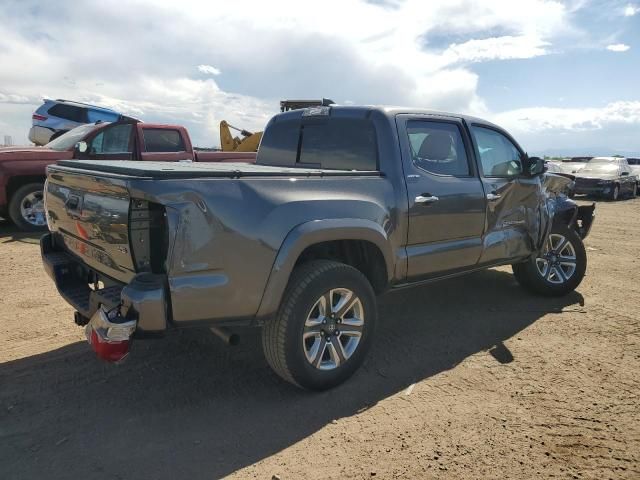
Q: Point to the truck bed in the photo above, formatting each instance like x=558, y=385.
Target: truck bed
x=166, y=170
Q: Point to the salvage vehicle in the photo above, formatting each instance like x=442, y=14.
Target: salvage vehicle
x=23, y=169
x=56, y=117
x=343, y=204
x=609, y=177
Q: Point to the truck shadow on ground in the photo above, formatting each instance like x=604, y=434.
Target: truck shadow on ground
x=190, y=407
x=10, y=233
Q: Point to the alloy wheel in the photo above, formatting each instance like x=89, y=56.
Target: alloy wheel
x=32, y=209
x=558, y=261
x=333, y=329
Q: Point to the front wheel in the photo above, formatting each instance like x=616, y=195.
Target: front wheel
x=26, y=207
x=559, y=268
x=324, y=326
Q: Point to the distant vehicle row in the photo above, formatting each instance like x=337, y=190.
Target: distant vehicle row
x=610, y=177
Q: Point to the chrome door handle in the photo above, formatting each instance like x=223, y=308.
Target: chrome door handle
x=493, y=196
x=423, y=199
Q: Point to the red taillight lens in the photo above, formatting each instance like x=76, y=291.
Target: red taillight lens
x=35, y=116
x=109, y=339
x=109, y=351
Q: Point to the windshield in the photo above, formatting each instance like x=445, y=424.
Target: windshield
x=69, y=139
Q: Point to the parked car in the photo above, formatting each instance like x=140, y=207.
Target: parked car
x=343, y=204
x=609, y=177
x=56, y=117
x=634, y=164
x=23, y=169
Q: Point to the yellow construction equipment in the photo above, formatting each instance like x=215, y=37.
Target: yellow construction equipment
x=248, y=143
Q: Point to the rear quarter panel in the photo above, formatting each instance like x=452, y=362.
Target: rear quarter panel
x=225, y=234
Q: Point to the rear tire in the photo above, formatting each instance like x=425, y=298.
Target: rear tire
x=560, y=267
x=324, y=326
x=26, y=208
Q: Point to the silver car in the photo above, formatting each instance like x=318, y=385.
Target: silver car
x=56, y=117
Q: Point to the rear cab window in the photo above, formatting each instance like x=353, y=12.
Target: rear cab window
x=332, y=143
x=162, y=140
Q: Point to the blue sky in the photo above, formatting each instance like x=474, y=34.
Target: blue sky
x=561, y=76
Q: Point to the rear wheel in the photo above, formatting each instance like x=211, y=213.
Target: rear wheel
x=559, y=268
x=26, y=207
x=324, y=326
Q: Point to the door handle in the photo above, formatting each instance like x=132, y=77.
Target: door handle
x=426, y=199
x=493, y=196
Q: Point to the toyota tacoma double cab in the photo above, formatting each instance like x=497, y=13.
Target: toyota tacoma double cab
x=343, y=204
x=23, y=169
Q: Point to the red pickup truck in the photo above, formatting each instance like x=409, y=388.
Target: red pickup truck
x=23, y=169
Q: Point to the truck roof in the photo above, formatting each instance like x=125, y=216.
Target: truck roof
x=388, y=110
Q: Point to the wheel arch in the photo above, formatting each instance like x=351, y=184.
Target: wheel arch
x=360, y=243
x=14, y=183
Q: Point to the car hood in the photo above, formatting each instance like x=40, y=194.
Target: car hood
x=32, y=153
x=598, y=175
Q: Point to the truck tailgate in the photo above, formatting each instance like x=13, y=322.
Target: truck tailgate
x=91, y=214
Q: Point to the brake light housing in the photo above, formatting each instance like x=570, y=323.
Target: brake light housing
x=109, y=334
x=40, y=118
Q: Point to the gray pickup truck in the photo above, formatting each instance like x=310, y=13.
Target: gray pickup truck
x=342, y=205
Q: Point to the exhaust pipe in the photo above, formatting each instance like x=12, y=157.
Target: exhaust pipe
x=227, y=336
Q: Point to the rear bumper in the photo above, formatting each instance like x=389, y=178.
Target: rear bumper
x=144, y=299
x=40, y=135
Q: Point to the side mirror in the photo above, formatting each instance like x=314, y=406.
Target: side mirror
x=535, y=166
x=81, y=147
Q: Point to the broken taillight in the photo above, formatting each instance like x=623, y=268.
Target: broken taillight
x=109, y=334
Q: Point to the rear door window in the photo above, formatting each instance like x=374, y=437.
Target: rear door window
x=69, y=112
x=162, y=140
x=340, y=144
x=437, y=147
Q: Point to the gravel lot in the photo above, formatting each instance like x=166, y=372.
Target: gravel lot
x=468, y=378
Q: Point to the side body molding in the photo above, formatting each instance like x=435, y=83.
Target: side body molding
x=311, y=233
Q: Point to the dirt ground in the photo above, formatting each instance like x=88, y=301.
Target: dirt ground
x=468, y=378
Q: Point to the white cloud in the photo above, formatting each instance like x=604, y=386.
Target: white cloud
x=376, y=52
x=209, y=69
x=496, y=48
x=616, y=123
x=618, y=47
x=630, y=10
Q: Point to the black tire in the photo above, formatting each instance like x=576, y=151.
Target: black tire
x=24, y=223
x=282, y=337
x=634, y=191
x=615, y=193
x=533, y=279
x=57, y=134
